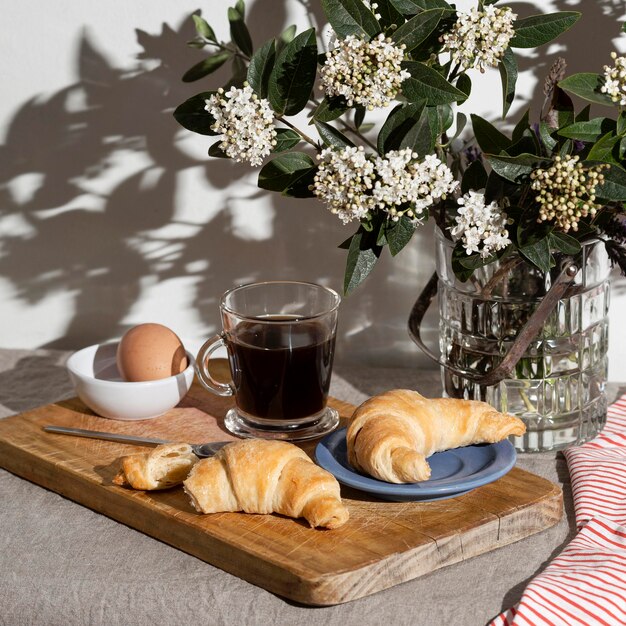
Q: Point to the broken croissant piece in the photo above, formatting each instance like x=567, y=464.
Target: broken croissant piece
x=391, y=435
x=260, y=476
x=164, y=467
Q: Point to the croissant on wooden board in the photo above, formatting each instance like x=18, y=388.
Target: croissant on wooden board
x=391, y=435
x=164, y=467
x=261, y=476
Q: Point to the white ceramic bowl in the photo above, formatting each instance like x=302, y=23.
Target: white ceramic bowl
x=98, y=383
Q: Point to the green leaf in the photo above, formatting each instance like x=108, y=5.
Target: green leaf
x=614, y=186
x=521, y=127
x=537, y=30
x=564, y=243
x=331, y=136
x=302, y=187
x=538, y=253
x=367, y=224
x=239, y=74
x=498, y=188
x=474, y=178
x=563, y=106
x=606, y=150
x=286, y=37
x=428, y=84
x=440, y=119
x=350, y=17
x=288, y=34
x=529, y=231
x=461, y=121
x=464, y=265
x=508, y=76
x=566, y=148
x=413, y=7
x=588, y=131
x=400, y=122
x=545, y=133
x=475, y=261
x=241, y=7
x=206, y=66
x=286, y=139
x=260, y=68
x=293, y=76
x=421, y=138
x=584, y=114
x=192, y=115
x=621, y=124
x=359, y=116
x=389, y=15
x=458, y=255
x=528, y=144
x=514, y=168
x=399, y=234
x=216, y=151
x=362, y=256
x=330, y=109
x=198, y=44
x=345, y=245
x=586, y=86
x=417, y=29
x=464, y=84
x=381, y=239
x=489, y=138
x=239, y=31
x=203, y=29
x=283, y=171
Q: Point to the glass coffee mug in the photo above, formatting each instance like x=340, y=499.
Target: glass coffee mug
x=280, y=338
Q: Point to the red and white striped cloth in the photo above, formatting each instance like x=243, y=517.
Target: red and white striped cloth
x=586, y=584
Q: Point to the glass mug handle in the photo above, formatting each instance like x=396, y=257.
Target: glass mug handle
x=202, y=367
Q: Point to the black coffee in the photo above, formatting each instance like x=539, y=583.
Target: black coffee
x=281, y=371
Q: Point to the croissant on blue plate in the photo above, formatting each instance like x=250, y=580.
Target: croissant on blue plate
x=392, y=434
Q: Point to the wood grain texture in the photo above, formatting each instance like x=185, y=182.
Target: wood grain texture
x=383, y=544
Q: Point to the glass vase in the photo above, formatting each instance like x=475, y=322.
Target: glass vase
x=557, y=387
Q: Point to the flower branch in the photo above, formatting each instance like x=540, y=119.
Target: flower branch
x=542, y=189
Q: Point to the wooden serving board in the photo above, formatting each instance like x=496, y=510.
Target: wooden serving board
x=383, y=543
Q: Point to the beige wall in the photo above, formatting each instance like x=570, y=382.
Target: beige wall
x=111, y=215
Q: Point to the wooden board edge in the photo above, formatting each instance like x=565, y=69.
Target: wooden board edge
x=326, y=590
x=320, y=591
x=135, y=515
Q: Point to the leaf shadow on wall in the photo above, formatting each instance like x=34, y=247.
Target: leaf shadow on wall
x=98, y=225
x=101, y=225
x=586, y=47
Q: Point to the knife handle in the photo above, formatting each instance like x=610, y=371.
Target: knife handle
x=96, y=434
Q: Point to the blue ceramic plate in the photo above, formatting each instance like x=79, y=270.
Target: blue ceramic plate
x=454, y=472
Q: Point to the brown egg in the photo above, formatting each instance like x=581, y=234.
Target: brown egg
x=150, y=352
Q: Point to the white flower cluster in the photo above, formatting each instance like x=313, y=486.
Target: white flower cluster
x=364, y=72
x=479, y=223
x=480, y=38
x=246, y=123
x=615, y=80
x=401, y=180
x=351, y=183
x=344, y=181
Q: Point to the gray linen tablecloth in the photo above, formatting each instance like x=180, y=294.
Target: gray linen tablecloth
x=61, y=563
